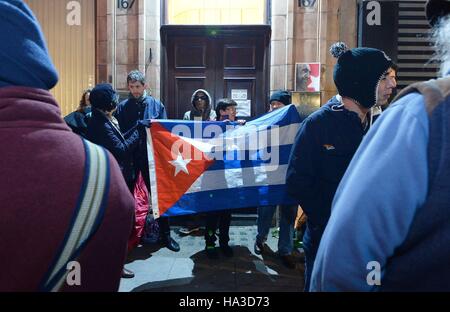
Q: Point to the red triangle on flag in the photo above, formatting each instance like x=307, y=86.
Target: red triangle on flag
x=178, y=164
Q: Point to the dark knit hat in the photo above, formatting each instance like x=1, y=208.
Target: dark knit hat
x=24, y=56
x=281, y=96
x=436, y=9
x=104, y=97
x=358, y=72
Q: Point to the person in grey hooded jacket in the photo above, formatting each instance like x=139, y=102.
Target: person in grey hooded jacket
x=201, y=107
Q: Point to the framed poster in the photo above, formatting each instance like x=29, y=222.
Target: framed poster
x=307, y=77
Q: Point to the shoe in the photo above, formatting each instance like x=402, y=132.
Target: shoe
x=258, y=248
x=227, y=251
x=189, y=230
x=171, y=244
x=127, y=273
x=211, y=252
x=288, y=261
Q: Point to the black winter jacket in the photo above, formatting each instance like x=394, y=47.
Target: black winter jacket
x=322, y=151
x=101, y=131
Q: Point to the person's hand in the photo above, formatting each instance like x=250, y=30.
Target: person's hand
x=146, y=123
x=142, y=126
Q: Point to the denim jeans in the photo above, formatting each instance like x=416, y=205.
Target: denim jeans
x=288, y=214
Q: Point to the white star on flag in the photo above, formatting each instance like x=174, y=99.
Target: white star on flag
x=180, y=164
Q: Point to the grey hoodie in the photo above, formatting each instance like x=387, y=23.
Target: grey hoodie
x=206, y=115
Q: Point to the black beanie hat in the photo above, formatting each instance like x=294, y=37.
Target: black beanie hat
x=436, y=9
x=358, y=72
x=103, y=97
x=281, y=96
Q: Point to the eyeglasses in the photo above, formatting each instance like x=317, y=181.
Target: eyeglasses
x=204, y=98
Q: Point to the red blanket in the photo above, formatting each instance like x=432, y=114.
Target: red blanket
x=141, y=210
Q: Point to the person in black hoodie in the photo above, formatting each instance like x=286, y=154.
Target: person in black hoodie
x=328, y=139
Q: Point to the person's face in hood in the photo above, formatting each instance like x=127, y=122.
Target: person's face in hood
x=276, y=105
x=200, y=101
x=136, y=88
x=386, y=86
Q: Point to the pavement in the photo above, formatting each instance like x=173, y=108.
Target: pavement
x=190, y=270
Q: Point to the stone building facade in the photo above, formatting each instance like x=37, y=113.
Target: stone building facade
x=129, y=38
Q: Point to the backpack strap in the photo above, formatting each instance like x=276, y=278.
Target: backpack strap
x=434, y=91
x=86, y=218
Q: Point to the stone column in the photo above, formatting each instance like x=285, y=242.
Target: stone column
x=281, y=44
x=152, y=61
x=103, y=57
x=316, y=29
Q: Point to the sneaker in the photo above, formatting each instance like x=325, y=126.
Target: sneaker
x=258, y=248
x=227, y=250
x=211, y=252
x=288, y=261
x=298, y=244
x=189, y=230
x=276, y=233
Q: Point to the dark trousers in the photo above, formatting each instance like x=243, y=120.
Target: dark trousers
x=214, y=220
x=311, y=241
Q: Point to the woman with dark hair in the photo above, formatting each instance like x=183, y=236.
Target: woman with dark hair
x=103, y=129
x=78, y=120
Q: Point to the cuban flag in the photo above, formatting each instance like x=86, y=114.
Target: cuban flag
x=200, y=166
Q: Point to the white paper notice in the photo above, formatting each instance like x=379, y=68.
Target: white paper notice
x=244, y=108
x=238, y=94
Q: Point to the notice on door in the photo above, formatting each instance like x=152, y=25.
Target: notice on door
x=239, y=94
x=244, y=104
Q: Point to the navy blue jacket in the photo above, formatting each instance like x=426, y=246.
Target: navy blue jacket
x=102, y=132
x=128, y=113
x=131, y=110
x=322, y=150
x=77, y=121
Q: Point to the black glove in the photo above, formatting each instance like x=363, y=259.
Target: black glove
x=142, y=126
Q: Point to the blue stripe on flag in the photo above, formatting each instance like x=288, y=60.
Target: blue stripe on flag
x=282, y=153
x=230, y=199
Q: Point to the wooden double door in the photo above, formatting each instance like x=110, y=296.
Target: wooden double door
x=227, y=61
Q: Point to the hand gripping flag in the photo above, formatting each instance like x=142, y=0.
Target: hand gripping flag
x=200, y=166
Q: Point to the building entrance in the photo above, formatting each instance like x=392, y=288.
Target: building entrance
x=227, y=61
